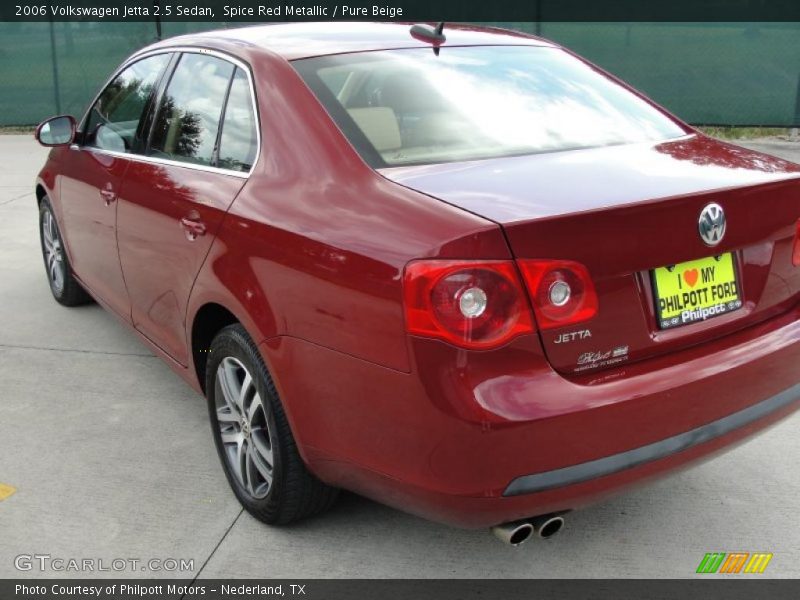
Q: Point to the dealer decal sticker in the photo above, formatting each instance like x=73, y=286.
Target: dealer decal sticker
x=593, y=360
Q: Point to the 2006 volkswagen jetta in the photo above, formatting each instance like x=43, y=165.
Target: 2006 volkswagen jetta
x=462, y=271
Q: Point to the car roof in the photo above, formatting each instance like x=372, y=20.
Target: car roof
x=304, y=40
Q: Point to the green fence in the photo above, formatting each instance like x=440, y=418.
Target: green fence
x=707, y=73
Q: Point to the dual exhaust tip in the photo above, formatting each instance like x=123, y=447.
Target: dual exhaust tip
x=516, y=533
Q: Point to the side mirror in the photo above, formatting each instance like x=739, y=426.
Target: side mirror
x=56, y=131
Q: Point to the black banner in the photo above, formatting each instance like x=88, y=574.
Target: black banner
x=360, y=589
x=402, y=10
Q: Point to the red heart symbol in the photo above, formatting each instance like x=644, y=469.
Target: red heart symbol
x=690, y=277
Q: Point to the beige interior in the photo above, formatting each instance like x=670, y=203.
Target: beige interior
x=379, y=124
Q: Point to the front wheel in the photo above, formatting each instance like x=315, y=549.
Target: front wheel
x=65, y=288
x=254, y=442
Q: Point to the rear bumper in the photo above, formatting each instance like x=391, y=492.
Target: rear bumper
x=608, y=465
x=475, y=439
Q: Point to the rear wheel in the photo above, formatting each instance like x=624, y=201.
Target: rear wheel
x=65, y=288
x=253, y=438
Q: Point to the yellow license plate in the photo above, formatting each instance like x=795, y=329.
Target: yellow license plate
x=696, y=290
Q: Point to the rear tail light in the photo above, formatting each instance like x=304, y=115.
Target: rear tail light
x=796, y=247
x=562, y=292
x=472, y=304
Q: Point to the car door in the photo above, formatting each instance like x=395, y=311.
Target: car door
x=202, y=146
x=94, y=169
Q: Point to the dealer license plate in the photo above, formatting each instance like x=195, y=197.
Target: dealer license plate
x=696, y=290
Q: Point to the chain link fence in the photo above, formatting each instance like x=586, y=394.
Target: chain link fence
x=745, y=74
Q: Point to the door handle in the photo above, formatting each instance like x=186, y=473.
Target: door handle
x=193, y=228
x=108, y=194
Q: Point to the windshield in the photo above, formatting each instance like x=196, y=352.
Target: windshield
x=402, y=107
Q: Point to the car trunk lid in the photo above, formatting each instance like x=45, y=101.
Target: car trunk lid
x=624, y=211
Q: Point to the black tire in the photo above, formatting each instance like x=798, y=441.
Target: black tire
x=65, y=288
x=293, y=492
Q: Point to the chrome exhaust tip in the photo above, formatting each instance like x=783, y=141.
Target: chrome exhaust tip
x=547, y=526
x=514, y=533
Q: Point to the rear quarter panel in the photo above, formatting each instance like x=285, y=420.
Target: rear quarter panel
x=315, y=244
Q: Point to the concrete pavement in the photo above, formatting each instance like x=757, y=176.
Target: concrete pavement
x=111, y=457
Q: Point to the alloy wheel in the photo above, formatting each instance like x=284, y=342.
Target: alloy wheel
x=244, y=428
x=53, y=252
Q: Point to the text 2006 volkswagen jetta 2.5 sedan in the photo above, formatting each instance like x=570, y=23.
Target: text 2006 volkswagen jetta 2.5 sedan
x=462, y=271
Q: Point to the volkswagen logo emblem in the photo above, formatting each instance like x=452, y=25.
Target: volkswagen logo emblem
x=711, y=224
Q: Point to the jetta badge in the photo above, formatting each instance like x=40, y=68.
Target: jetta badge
x=712, y=224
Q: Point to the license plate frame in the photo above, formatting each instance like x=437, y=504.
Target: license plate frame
x=678, y=295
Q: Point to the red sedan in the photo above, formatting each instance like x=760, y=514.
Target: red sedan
x=461, y=271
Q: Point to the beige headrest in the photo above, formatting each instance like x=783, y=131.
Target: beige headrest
x=379, y=124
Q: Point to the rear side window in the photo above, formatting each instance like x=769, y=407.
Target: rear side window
x=238, y=143
x=190, y=111
x=113, y=122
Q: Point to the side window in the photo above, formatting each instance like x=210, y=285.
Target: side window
x=238, y=143
x=189, y=114
x=113, y=121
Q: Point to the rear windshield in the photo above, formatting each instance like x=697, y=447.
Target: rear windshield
x=403, y=107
